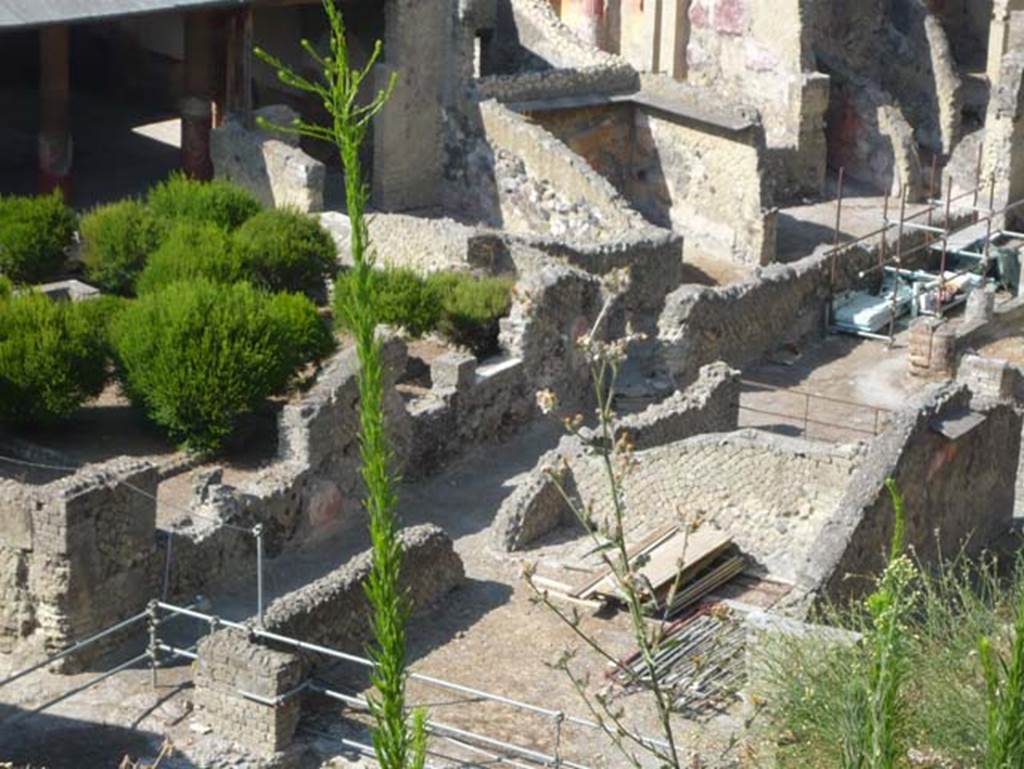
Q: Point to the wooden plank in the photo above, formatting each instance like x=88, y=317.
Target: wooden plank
x=586, y=590
x=682, y=552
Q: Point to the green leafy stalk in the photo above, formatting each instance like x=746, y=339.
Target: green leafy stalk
x=1004, y=684
x=398, y=744
x=882, y=742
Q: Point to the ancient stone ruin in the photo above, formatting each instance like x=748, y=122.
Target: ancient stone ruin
x=803, y=216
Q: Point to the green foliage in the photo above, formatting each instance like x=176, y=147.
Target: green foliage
x=1004, y=689
x=117, y=239
x=285, y=250
x=198, y=354
x=398, y=741
x=471, y=308
x=919, y=678
x=222, y=203
x=884, y=740
x=192, y=250
x=53, y=357
x=396, y=296
x=34, y=235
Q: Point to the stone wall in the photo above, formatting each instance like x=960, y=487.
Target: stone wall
x=655, y=260
x=552, y=307
x=545, y=157
x=704, y=181
x=759, y=52
x=686, y=167
x=778, y=305
x=536, y=506
x=422, y=244
x=709, y=405
x=333, y=610
x=248, y=691
x=469, y=403
x=75, y=556
x=958, y=492
x=770, y=493
x=893, y=70
x=408, y=132
x=1004, y=125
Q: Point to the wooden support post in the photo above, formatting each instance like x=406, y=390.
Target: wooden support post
x=55, y=146
x=238, y=86
x=196, y=107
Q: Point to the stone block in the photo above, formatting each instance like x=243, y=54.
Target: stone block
x=981, y=305
x=453, y=370
x=277, y=173
x=988, y=377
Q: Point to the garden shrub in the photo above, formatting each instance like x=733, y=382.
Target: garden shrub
x=53, y=357
x=286, y=250
x=471, y=308
x=220, y=202
x=117, y=239
x=35, y=233
x=192, y=250
x=198, y=354
x=400, y=298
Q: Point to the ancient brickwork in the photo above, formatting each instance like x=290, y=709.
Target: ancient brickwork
x=536, y=506
x=780, y=304
x=770, y=493
x=334, y=611
x=75, y=556
x=230, y=666
x=958, y=491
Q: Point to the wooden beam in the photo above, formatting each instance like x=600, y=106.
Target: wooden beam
x=238, y=88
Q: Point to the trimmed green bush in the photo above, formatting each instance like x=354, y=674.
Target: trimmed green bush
x=222, y=203
x=286, y=250
x=117, y=239
x=192, y=250
x=198, y=354
x=53, y=357
x=471, y=308
x=400, y=297
x=35, y=233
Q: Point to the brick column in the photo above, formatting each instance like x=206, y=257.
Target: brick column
x=230, y=667
x=196, y=105
x=55, y=149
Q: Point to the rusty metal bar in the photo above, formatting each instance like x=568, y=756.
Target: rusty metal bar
x=945, y=246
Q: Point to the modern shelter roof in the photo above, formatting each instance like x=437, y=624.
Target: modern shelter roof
x=16, y=14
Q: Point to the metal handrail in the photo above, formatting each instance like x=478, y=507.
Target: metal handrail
x=326, y=651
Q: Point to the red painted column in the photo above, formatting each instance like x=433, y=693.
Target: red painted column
x=196, y=105
x=55, y=148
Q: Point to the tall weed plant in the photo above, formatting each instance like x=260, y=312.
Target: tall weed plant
x=399, y=737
